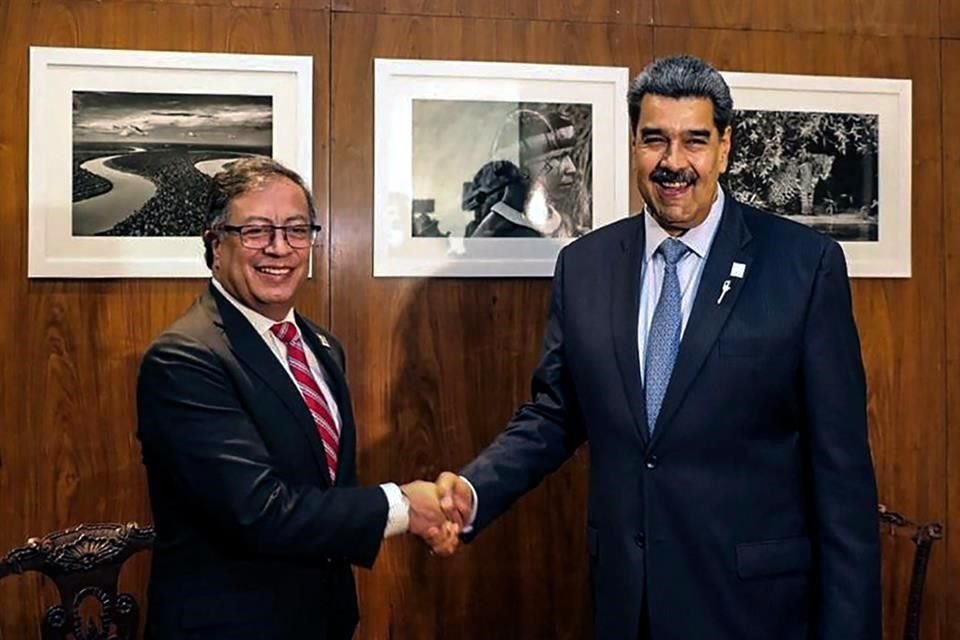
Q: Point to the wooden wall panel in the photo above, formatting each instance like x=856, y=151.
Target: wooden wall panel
x=868, y=17
x=950, y=18
x=951, y=209
x=315, y=5
x=903, y=352
x=71, y=348
x=621, y=11
x=438, y=365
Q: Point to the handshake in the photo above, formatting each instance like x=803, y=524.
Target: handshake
x=439, y=511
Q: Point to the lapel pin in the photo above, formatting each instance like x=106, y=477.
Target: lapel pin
x=737, y=269
x=723, y=291
x=323, y=341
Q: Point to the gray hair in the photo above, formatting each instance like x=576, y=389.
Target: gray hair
x=238, y=178
x=682, y=77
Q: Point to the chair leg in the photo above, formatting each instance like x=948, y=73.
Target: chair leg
x=911, y=628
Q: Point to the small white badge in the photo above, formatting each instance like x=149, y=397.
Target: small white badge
x=737, y=269
x=323, y=341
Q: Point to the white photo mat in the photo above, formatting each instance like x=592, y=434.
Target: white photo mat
x=890, y=100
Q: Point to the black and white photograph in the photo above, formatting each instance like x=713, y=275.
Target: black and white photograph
x=123, y=145
x=489, y=169
x=819, y=169
x=142, y=161
x=833, y=153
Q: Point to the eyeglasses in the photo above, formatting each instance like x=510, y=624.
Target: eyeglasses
x=260, y=236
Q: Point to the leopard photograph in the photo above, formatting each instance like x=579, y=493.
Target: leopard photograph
x=819, y=169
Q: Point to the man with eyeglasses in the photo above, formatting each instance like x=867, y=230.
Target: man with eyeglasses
x=249, y=442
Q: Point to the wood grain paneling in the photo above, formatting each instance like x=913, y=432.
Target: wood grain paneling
x=903, y=352
x=622, y=11
x=951, y=209
x=438, y=365
x=950, y=18
x=71, y=348
x=315, y=5
x=867, y=17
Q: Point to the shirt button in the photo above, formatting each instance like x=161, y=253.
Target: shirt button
x=652, y=462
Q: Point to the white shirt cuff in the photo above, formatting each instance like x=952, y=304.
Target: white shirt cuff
x=468, y=525
x=398, y=515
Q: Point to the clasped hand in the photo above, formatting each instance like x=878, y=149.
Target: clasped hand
x=439, y=511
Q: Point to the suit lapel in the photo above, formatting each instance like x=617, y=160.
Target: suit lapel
x=250, y=348
x=624, y=312
x=708, y=316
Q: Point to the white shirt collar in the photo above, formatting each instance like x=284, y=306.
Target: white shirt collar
x=697, y=239
x=260, y=322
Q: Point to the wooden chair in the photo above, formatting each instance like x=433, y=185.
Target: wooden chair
x=84, y=562
x=923, y=536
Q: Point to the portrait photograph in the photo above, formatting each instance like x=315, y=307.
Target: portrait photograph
x=535, y=158
x=489, y=169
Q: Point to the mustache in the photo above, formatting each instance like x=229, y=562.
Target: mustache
x=663, y=175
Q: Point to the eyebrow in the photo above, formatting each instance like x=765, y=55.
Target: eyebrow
x=265, y=220
x=698, y=133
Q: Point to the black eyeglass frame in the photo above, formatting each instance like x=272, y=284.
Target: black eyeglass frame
x=274, y=228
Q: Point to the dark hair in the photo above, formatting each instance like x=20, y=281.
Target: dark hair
x=489, y=185
x=682, y=77
x=236, y=179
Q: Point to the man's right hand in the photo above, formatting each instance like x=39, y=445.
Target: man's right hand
x=428, y=521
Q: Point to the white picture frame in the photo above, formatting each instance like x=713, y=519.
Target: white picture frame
x=860, y=170
x=438, y=122
x=121, y=84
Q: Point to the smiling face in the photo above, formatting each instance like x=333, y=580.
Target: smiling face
x=679, y=156
x=267, y=279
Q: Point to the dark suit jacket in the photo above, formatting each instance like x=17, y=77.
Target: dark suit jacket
x=751, y=512
x=252, y=541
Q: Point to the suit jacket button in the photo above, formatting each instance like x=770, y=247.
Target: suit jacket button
x=652, y=462
x=639, y=540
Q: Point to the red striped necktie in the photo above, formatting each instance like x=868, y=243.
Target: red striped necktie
x=310, y=390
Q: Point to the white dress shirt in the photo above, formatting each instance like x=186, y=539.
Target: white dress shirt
x=398, y=517
x=689, y=269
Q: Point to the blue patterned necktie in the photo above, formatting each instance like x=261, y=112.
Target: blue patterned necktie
x=663, y=339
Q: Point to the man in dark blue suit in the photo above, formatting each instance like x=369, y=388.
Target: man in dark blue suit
x=708, y=352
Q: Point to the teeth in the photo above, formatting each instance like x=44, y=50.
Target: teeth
x=275, y=271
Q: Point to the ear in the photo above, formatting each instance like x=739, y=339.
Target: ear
x=215, y=244
x=725, y=142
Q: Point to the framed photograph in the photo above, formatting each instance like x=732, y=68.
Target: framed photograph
x=122, y=145
x=489, y=169
x=832, y=153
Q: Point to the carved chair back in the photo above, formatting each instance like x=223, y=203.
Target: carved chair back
x=84, y=562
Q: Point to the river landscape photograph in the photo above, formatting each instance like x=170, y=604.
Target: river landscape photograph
x=142, y=162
